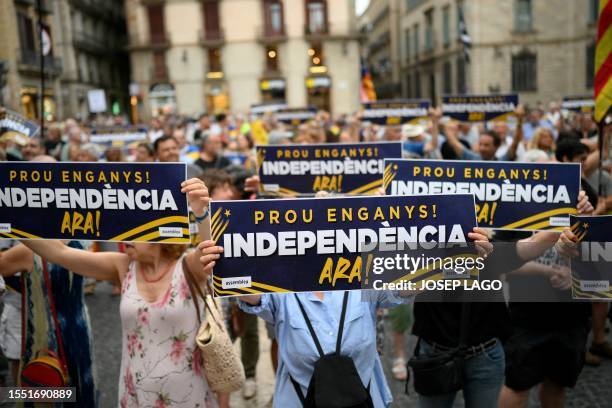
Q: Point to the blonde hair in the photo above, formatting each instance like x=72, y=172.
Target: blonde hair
x=534, y=143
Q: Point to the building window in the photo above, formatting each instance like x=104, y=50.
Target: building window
x=273, y=17
x=415, y=38
x=408, y=45
x=157, y=30
x=593, y=11
x=214, y=60
x=461, y=82
x=447, y=76
x=429, y=33
x=417, y=85
x=524, y=72
x=590, y=65
x=315, y=53
x=316, y=17
x=409, y=86
x=272, y=58
x=26, y=36
x=523, y=15
x=446, y=26
x=459, y=14
x=212, y=30
x=159, y=66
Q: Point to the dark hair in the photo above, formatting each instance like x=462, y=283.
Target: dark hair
x=220, y=117
x=496, y=137
x=448, y=153
x=570, y=148
x=147, y=147
x=568, y=134
x=215, y=178
x=161, y=140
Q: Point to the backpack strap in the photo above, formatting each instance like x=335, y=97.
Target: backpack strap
x=341, y=326
x=310, y=328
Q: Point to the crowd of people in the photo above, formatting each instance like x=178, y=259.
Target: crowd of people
x=510, y=347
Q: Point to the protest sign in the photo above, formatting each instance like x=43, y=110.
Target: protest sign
x=509, y=195
x=295, y=116
x=592, y=268
x=13, y=122
x=479, y=108
x=291, y=170
x=583, y=104
x=93, y=201
x=395, y=112
x=321, y=244
x=118, y=136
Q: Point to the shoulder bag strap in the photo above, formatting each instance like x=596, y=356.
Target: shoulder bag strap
x=465, y=321
x=298, y=390
x=341, y=326
x=51, y=297
x=310, y=328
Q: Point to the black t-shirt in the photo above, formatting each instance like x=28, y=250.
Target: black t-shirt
x=554, y=309
x=221, y=163
x=440, y=322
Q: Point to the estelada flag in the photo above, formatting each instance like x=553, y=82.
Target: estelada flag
x=603, y=61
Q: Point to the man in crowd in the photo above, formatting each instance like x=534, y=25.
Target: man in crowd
x=211, y=155
x=166, y=149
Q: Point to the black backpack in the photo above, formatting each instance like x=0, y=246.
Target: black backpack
x=335, y=382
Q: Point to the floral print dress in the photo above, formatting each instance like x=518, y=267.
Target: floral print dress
x=161, y=365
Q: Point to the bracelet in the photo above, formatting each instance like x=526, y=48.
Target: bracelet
x=203, y=217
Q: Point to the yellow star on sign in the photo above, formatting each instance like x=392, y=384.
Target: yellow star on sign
x=228, y=213
x=585, y=225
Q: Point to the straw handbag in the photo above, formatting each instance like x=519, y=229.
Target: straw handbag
x=221, y=364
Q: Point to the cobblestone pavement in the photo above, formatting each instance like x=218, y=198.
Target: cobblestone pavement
x=594, y=388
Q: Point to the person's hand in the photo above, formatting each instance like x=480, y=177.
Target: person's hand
x=252, y=184
x=584, y=206
x=210, y=253
x=560, y=278
x=481, y=241
x=322, y=194
x=567, y=245
x=197, y=195
x=519, y=111
x=435, y=113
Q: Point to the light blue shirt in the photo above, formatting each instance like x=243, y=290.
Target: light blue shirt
x=297, y=350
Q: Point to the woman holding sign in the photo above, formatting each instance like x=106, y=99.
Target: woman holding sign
x=327, y=340
x=160, y=363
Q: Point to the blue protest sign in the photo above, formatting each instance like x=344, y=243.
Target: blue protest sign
x=118, y=136
x=509, y=195
x=479, y=108
x=395, y=112
x=592, y=268
x=321, y=244
x=13, y=122
x=295, y=116
x=93, y=201
x=353, y=169
x=583, y=104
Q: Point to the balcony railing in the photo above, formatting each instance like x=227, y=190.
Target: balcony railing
x=90, y=42
x=29, y=61
x=152, y=43
x=211, y=38
x=268, y=34
x=332, y=31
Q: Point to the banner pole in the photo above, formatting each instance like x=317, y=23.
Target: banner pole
x=42, y=69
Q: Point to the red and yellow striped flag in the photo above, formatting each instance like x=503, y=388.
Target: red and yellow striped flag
x=603, y=61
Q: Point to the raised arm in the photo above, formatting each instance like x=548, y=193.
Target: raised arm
x=99, y=265
x=197, y=196
x=435, y=114
x=16, y=259
x=518, y=135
